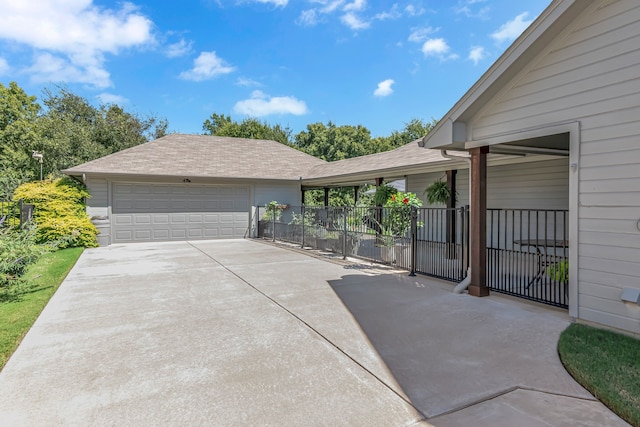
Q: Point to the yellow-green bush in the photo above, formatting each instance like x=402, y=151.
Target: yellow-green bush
x=59, y=212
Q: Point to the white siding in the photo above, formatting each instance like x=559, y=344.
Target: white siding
x=591, y=74
x=288, y=194
x=98, y=203
x=533, y=185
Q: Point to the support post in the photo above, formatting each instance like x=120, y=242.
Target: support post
x=303, y=192
x=326, y=197
x=451, y=214
x=414, y=239
x=355, y=194
x=478, y=222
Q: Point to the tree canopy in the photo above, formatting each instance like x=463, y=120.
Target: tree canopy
x=68, y=131
x=326, y=141
x=221, y=125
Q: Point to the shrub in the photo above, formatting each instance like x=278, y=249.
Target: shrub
x=18, y=249
x=59, y=212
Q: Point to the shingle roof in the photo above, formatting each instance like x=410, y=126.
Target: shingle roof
x=206, y=156
x=399, y=160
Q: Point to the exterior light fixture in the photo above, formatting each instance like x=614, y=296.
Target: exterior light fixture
x=38, y=156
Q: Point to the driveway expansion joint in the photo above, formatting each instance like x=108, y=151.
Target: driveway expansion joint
x=504, y=392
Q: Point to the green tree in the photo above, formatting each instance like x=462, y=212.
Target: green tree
x=413, y=130
x=221, y=125
x=330, y=142
x=67, y=131
x=18, y=134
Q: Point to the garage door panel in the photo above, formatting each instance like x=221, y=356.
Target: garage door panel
x=147, y=212
x=162, y=234
x=123, y=220
x=161, y=219
x=179, y=219
x=210, y=219
x=142, y=219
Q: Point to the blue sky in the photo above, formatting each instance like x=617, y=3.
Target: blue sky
x=292, y=62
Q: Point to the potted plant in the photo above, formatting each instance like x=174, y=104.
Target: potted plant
x=438, y=193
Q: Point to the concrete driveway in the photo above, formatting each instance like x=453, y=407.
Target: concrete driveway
x=244, y=333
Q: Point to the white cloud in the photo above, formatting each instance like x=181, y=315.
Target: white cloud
x=4, y=66
x=512, y=29
x=78, y=33
x=261, y=104
x=355, y=5
x=353, y=22
x=49, y=68
x=329, y=6
x=420, y=34
x=180, y=48
x=435, y=47
x=477, y=54
x=384, y=88
x=207, y=66
x=109, y=98
x=393, y=13
x=412, y=10
x=245, y=82
x=278, y=3
x=307, y=18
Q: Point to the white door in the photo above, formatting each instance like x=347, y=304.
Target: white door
x=160, y=212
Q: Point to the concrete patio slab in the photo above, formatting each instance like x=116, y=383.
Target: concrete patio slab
x=246, y=333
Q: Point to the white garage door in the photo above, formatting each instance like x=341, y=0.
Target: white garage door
x=154, y=212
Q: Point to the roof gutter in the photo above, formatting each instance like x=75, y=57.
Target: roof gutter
x=464, y=284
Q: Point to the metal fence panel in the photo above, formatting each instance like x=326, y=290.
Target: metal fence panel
x=527, y=254
x=439, y=247
x=527, y=250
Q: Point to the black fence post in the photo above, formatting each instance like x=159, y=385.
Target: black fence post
x=344, y=233
x=302, y=210
x=414, y=239
x=465, y=239
x=273, y=212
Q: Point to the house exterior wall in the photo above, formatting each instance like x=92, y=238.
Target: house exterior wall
x=531, y=185
x=288, y=194
x=98, y=203
x=590, y=75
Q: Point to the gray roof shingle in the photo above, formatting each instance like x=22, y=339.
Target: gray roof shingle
x=407, y=156
x=205, y=156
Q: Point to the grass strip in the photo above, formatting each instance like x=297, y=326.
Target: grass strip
x=607, y=364
x=17, y=316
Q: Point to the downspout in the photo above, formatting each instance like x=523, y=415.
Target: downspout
x=460, y=287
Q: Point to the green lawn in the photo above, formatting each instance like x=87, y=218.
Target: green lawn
x=607, y=364
x=16, y=317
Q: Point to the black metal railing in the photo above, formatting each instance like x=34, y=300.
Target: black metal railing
x=527, y=254
x=442, y=243
x=428, y=241
x=15, y=214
